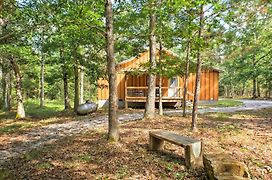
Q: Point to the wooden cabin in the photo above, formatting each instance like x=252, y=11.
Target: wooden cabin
x=132, y=88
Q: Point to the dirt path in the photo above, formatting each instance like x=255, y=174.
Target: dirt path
x=47, y=134
x=248, y=105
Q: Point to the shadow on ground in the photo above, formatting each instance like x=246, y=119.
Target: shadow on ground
x=245, y=135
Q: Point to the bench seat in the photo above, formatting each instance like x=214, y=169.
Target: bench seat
x=193, y=147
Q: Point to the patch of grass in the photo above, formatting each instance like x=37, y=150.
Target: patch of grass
x=122, y=173
x=83, y=158
x=35, y=117
x=180, y=175
x=37, y=154
x=10, y=128
x=228, y=128
x=5, y=174
x=16, y=126
x=223, y=116
x=32, y=108
x=44, y=165
x=51, y=108
x=33, y=155
x=222, y=103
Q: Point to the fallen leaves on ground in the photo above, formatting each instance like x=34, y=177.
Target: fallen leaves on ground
x=246, y=136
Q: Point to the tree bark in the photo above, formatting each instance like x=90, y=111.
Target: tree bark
x=198, y=73
x=113, y=126
x=269, y=90
x=20, y=105
x=81, y=96
x=65, y=81
x=6, y=86
x=186, y=77
x=160, y=81
x=254, y=89
x=42, y=81
x=258, y=89
x=7, y=105
x=243, y=89
x=151, y=94
x=76, y=85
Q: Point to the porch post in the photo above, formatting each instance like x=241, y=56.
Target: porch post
x=126, y=103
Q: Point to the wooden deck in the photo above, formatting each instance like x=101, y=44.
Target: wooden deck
x=164, y=99
x=139, y=94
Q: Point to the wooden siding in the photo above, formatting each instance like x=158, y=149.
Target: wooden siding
x=103, y=89
x=208, y=85
x=134, y=63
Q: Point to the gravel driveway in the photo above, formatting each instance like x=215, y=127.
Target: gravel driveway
x=47, y=134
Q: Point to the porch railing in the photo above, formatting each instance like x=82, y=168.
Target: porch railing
x=141, y=92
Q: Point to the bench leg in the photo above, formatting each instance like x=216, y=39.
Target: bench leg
x=155, y=143
x=193, y=155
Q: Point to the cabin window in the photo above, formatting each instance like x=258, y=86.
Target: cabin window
x=173, y=87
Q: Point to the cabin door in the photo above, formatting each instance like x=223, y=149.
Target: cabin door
x=173, y=87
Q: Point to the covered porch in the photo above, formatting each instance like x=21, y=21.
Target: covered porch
x=136, y=89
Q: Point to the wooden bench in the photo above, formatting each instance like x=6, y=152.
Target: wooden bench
x=193, y=148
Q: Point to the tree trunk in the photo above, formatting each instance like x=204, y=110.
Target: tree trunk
x=7, y=105
x=243, y=89
x=20, y=105
x=81, y=97
x=113, y=127
x=9, y=98
x=76, y=86
x=65, y=81
x=160, y=81
x=151, y=94
x=269, y=90
x=186, y=77
x=6, y=85
x=198, y=74
x=258, y=89
x=254, y=90
x=42, y=82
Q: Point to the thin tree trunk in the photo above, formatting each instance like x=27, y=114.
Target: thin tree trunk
x=6, y=85
x=42, y=81
x=198, y=74
x=254, y=89
x=151, y=94
x=113, y=127
x=76, y=85
x=160, y=81
x=65, y=81
x=81, y=97
x=20, y=105
x=243, y=89
x=9, y=98
x=269, y=90
x=7, y=102
x=4, y=88
x=66, y=91
x=186, y=77
x=258, y=89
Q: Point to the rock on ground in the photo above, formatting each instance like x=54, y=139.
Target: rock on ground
x=223, y=167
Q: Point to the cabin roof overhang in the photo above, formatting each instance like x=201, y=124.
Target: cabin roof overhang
x=142, y=70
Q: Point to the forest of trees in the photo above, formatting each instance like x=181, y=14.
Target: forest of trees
x=58, y=49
